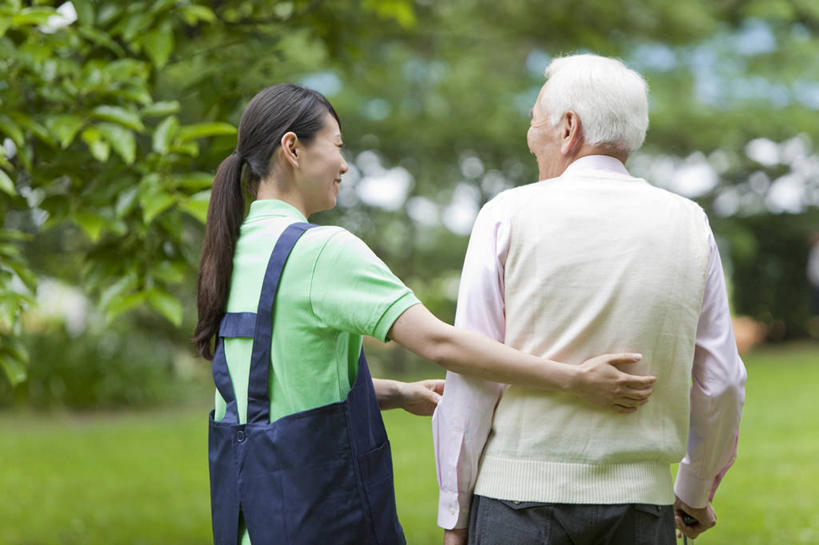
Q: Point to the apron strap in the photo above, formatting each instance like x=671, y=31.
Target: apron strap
x=258, y=400
x=237, y=324
x=234, y=324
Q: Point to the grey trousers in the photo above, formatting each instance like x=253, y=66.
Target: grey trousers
x=502, y=522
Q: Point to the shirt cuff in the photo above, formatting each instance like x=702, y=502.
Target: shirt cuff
x=693, y=491
x=451, y=513
x=396, y=309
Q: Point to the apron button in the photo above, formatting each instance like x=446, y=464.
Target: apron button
x=240, y=436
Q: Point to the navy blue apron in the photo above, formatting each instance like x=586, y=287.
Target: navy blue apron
x=322, y=476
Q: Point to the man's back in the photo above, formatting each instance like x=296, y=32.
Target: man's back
x=591, y=260
x=598, y=261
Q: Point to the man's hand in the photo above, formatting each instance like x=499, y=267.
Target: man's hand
x=705, y=518
x=421, y=397
x=455, y=537
x=601, y=383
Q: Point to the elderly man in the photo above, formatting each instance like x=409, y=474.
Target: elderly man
x=589, y=260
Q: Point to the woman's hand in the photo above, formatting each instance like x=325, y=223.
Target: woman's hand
x=421, y=397
x=599, y=381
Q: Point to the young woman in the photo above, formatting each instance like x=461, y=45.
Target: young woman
x=297, y=449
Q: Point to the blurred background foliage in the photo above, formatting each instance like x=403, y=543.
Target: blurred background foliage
x=115, y=115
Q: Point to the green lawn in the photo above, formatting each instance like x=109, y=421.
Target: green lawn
x=141, y=478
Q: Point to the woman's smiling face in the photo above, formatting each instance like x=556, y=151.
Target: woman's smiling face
x=321, y=165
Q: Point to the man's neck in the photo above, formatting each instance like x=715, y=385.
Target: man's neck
x=586, y=151
x=611, y=151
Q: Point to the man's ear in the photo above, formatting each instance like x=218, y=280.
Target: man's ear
x=571, y=133
x=289, y=148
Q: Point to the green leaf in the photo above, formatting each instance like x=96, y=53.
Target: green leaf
x=121, y=139
x=197, y=205
x=97, y=145
x=194, y=14
x=6, y=184
x=127, y=69
x=160, y=109
x=15, y=235
x=158, y=44
x=40, y=53
x=10, y=251
x=85, y=12
x=140, y=95
x=133, y=24
x=126, y=201
x=91, y=224
x=5, y=23
x=188, y=148
x=30, y=124
x=122, y=303
x=164, y=135
x=161, y=5
x=24, y=273
x=167, y=305
x=102, y=39
x=8, y=310
x=13, y=359
x=65, y=127
x=201, y=130
x=33, y=16
x=154, y=204
x=193, y=181
x=11, y=129
x=150, y=183
x=124, y=284
x=119, y=115
x=169, y=272
x=399, y=10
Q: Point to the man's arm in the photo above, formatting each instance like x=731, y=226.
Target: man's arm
x=462, y=421
x=717, y=397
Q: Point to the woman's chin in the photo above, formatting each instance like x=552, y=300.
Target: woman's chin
x=327, y=206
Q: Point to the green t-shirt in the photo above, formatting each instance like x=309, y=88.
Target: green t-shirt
x=333, y=290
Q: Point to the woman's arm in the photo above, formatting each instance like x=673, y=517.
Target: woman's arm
x=597, y=381
x=419, y=398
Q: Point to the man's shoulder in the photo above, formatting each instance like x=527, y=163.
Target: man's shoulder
x=670, y=196
x=647, y=187
x=504, y=203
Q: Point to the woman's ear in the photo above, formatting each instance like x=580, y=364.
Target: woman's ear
x=289, y=148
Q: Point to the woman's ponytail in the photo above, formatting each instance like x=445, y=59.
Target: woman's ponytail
x=225, y=214
x=267, y=117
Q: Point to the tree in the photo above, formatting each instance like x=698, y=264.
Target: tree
x=94, y=153
x=114, y=123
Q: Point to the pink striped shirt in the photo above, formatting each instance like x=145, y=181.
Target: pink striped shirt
x=714, y=420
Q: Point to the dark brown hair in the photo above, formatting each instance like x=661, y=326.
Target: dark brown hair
x=273, y=112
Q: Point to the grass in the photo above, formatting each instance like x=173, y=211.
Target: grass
x=141, y=478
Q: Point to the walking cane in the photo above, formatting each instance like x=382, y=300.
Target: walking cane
x=688, y=520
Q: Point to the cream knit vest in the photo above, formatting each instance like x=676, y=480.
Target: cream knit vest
x=598, y=262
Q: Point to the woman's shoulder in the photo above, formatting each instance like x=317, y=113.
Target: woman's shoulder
x=329, y=234
x=332, y=239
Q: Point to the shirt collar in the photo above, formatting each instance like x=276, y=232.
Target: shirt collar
x=605, y=163
x=274, y=207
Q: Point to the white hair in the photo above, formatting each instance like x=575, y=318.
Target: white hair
x=610, y=99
